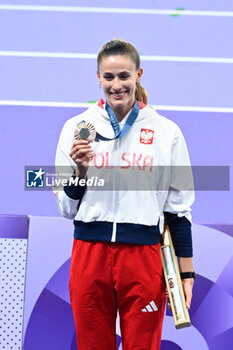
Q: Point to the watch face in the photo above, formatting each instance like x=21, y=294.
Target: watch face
x=85, y=131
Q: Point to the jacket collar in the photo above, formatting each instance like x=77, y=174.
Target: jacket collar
x=101, y=103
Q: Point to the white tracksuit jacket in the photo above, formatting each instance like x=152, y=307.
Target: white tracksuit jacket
x=135, y=215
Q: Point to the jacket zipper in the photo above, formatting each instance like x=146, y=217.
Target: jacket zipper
x=116, y=163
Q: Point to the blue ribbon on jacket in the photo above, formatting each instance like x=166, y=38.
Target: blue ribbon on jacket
x=115, y=124
x=118, y=133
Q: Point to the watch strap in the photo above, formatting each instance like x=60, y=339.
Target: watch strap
x=190, y=274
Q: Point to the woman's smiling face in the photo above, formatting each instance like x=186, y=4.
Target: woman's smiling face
x=118, y=76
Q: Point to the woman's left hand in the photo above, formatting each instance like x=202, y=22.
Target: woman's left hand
x=186, y=265
x=187, y=284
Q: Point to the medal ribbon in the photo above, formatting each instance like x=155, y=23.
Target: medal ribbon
x=115, y=124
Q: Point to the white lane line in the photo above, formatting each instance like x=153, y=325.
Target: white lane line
x=43, y=104
x=72, y=55
x=48, y=54
x=194, y=109
x=186, y=59
x=117, y=10
x=86, y=105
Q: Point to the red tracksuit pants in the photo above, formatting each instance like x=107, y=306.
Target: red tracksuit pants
x=106, y=277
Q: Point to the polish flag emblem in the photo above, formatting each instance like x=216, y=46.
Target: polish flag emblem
x=146, y=136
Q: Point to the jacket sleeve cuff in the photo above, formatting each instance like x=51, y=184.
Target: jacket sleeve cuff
x=75, y=191
x=180, y=228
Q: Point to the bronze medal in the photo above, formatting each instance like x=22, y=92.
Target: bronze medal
x=85, y=131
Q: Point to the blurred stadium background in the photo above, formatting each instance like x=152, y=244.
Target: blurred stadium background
x=48, y=74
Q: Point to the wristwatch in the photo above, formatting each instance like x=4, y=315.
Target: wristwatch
x=190, y=274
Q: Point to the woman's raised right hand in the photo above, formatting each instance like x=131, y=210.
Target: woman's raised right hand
x=81, y=153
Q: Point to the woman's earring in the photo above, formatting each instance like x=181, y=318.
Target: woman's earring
x=100, y=86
